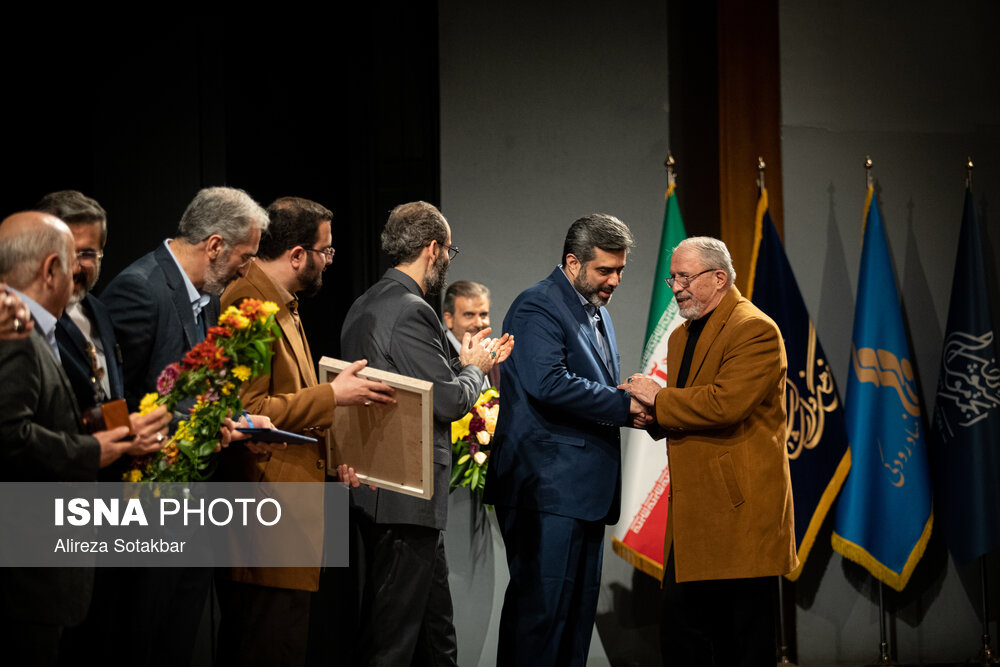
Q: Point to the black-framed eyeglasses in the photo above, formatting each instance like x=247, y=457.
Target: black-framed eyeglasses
x=685, y=281
x=452, y=251
x=328, y=251
x=89, y=255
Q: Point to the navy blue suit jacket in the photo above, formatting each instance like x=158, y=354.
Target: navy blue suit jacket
x=557, y=442
x=149, y=306
x=76, y=361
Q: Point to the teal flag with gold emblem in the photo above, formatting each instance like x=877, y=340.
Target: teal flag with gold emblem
x=884, y=515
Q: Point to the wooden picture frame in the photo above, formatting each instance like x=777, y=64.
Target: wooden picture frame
x=389, y=446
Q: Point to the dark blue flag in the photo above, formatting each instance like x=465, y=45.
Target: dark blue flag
x=817, y=438
x=967, y=413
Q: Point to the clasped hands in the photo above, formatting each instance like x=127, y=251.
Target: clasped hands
x=643, y=389
x=483, y=352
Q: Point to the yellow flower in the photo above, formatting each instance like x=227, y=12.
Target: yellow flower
x=242, y=373
x=171, y=451
x=489, y=415
x=269, y=308
x=228, y=388
x=460, y=428
x=148, y=403
x=183, y=432
x=241, y=321
x=134, y=475
x=487, y=396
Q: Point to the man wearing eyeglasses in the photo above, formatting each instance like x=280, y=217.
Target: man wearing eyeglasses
x=86, y=338
x=262, y=604
x=730, y=528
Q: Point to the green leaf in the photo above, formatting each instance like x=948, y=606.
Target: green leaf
x=464, y=459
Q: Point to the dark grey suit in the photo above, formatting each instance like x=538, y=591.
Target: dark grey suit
x=153, y=320
x=392, y=327
x=155, y=325
x=41, y=440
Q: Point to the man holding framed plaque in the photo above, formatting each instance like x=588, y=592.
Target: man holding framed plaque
x=406, y=604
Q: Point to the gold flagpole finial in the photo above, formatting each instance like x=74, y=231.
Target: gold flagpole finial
x=968, y=167
x=868, y=171
x=761, y=166
x=670, y=165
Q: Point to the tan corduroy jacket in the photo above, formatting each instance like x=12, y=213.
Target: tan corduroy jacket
x=730, y=513
x=292, y=399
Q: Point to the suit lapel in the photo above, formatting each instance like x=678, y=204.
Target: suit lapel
x=47, y=358
x=269, y=291
x=612, y=346
x=105, y=331
x=179, y=296
x=69, y=337
x=573, y=310
x=716, y=322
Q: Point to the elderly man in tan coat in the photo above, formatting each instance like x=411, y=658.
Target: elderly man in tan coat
x=730, y=526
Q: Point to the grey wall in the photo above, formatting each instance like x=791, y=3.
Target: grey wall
x=547, y=115
x=915, y=86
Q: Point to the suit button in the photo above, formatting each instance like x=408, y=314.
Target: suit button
x=320, y=464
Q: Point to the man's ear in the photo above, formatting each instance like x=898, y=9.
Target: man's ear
x=449, y=319
x=49, y=266
x=214, y=245
x=297, y=257
x=572, y=264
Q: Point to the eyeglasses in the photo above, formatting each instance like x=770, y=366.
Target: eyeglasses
x=452, y=251
x=328, y=251
x=685, y=281
x=89, y=255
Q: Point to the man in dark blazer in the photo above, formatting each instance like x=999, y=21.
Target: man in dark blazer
x=41, y=434
x=406, y=607
x=161, y=306
x=87, y=344
x=163, y=303
x=555, y=470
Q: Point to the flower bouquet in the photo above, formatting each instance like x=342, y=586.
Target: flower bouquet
x=470, y=443
x=238, y=349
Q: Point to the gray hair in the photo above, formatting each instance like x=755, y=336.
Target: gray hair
x=713, y=253
x=410, y=228
x=228, y=212
x=465, y=289
x=75, y=208
x=22, y=254
x=597, y=230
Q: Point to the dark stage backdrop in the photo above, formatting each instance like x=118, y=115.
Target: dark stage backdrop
x=344, y=112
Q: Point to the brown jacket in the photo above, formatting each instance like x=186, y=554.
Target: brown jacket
x=730, y=513
x=292, y=399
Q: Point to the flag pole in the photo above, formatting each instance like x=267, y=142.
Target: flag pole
x=986, y=655
x=782, y=631
x=883, y=658
x=670, y=163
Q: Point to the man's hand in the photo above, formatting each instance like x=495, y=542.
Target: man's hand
x=15, y=318
x=112, y=444
x=477, y=351
x=150, y=431
x=503, y=346
x=641, y=418
x=643, y=389
x=347, y=475
x=229, y=434
x=353, y=390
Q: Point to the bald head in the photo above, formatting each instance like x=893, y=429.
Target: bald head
x=37, y=257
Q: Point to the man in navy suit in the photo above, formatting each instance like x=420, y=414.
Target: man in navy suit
x=555, y=471
x=87, y=344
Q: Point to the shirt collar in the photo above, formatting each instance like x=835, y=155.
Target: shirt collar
x=45, y=320
x=198, y=299
x=454, y=341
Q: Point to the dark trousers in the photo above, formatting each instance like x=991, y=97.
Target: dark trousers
x=721, y=622
x=262, y=625
x=406, y=612
x=555, y=577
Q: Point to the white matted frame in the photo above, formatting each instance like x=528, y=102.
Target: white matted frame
x=389, y=446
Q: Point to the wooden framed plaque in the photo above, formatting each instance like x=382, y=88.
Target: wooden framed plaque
x=389, y=446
